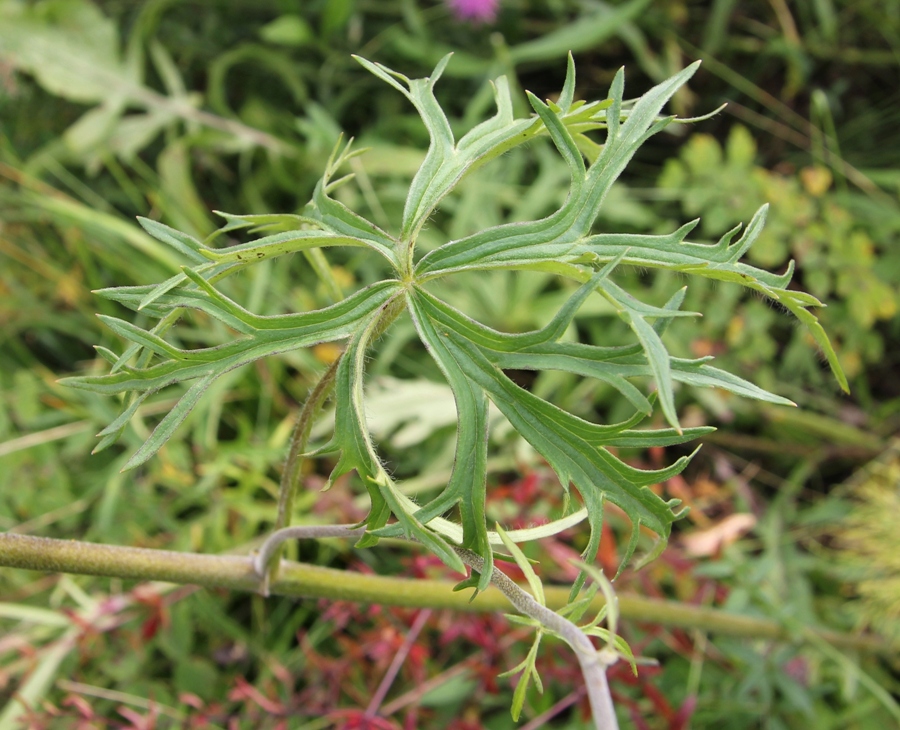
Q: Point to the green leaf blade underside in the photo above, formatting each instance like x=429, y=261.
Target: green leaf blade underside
x=279, y=244
x=439, y=174
x=614, y=365
x=572, y=446
x=262, y=337
x=333, y=323
x=574, y=220
x=187, y=245
x=338, y=220
x=357, y=452
x=593, y=362
x=672, y=252
x=447, y=160
x=172, y=420
x=467, y=486
x=471, y=354
x=565, y=235
x=654, y=350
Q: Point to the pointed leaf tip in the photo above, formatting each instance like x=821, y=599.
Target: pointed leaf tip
x=535, y=101
x=567, y=95
x=439, y=69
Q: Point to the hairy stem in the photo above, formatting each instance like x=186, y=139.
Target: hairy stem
x=290, y=477
x=593, y=666
x=263, y=562
x=236, y=572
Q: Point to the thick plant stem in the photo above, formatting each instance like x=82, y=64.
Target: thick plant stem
x=236, y=572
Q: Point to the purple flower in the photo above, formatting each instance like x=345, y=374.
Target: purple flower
x=478, y=11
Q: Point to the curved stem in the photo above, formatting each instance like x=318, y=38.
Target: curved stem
x=271, y=548
x=290, y=477
x=593, y=663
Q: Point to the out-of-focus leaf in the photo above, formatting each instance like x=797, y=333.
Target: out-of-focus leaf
x=70, y=47
x=584, y=33
x=287, y=30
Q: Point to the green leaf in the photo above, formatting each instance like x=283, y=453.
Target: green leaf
x=564, y=228
x=167, y=426
x=287, y=30
x=484, y=142
x=564, y=237
x=352, y=440
x=112, y=432
x=279, y=244
x=337, y=220
x=654, y=349
x=610, y=610
x=471, y=356
x=466, y=488
x=71, y=48
x=529, y=672
x=794, y=302
x=263, y=336
x=572, y=446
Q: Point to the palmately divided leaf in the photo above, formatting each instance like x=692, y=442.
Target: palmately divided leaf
x=228, y=260
x=574, y=220
x=446, y=162
x=471, y=356
x=327, y=223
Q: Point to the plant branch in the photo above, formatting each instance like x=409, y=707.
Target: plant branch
x=270, y=549
x=311, y=581
x=290, y=478
x=593, y=663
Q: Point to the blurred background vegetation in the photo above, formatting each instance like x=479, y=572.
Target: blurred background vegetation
x=172, y=109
